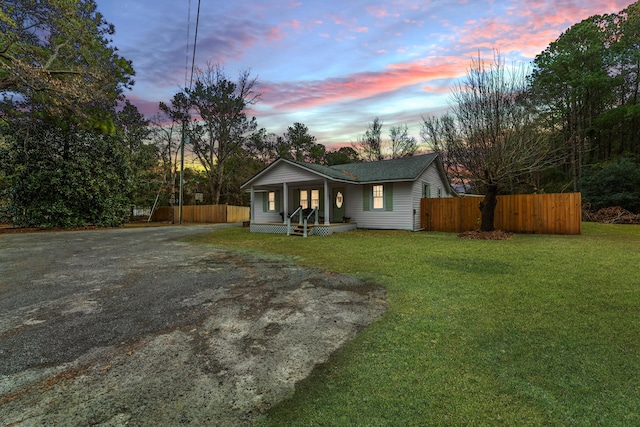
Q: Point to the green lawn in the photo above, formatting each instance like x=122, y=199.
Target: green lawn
x=534, y=330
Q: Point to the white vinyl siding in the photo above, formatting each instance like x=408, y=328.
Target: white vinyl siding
x=261, y=212
x=285, y=172
x=397, y=211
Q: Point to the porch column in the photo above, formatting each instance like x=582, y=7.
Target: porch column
x=251, y=205
x=285, y=202
x=327, y=202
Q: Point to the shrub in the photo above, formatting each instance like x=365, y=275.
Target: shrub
x=613, y=184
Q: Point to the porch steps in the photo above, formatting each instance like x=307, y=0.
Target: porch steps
x=298, y=230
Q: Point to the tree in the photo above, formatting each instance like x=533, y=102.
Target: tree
x=56, y=53
x=614, y=183
x=71, y=177
x=587, y=84
x=342, y=156
x=494, y=139
x=63, y=163
x=402, y=145
x=297, y=143
x=571, y=84
x=369, y=145
x=141, y=155
x=223, y=127
x=263, y=146
x=442, y=132
x=167, y=137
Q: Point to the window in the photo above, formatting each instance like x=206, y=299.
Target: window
x=315, y=199
x=304, y=199
x=271, y=204
x=378, y=197
x=426, y=191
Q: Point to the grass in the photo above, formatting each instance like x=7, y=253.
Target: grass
x=534, y=330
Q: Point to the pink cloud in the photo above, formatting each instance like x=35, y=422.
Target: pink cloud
x=302, y=95
x=437, y=89
x=539, y=23
x=380, y=12
x=295, y=24
x=273, y=33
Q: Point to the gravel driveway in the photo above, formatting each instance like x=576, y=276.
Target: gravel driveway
x=134, y=327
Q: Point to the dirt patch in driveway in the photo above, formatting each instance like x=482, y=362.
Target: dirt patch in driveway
x=127, y=327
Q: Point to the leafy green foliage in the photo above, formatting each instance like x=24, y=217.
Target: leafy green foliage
x=133, y=131
x=66, y=179
x=615, y=183
x=63, y=158
x=56, y=53
x=342, y=156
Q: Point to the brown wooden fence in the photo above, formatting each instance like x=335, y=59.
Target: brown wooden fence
x=559, y=213
x=203, y=214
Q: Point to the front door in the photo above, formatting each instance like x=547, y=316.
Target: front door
x=337, y=202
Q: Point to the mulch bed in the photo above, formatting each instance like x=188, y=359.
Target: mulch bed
x=485, y=235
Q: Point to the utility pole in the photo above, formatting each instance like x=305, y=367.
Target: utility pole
x=185, y=140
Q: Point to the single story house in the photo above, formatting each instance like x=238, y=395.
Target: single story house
x=324, y=199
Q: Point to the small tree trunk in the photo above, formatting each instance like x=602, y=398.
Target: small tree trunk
x=488, y=208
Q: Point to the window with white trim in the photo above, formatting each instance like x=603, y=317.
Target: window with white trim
x=426, y=190
x=315, y=199
x=271, y=202
x=378, y=197
x=304, y=199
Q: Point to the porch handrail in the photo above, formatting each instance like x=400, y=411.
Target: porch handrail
x=291, y=216
x=306, y=220
x=314, y=211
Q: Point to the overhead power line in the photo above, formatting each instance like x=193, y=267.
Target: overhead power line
x=195, y=43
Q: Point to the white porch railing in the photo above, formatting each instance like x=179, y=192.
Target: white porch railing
x=302, y=219
x=297, y=211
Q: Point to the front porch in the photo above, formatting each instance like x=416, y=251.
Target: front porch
x=312, y=230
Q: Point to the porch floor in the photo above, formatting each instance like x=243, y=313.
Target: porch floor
x=313, y=230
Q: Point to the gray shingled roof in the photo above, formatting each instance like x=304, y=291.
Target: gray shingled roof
x=405, y=169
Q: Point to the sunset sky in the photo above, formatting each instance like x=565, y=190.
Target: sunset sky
x=335, y=65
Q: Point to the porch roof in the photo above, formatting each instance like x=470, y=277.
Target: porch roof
x=404, y=169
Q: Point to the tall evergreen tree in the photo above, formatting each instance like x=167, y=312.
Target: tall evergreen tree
x=61, y=80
